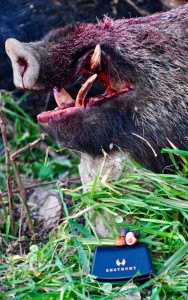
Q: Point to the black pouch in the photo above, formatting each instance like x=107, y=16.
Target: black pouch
x=113, y=263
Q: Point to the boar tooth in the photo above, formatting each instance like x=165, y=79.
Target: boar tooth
x=95, y=59
x=62, y=97
x=84, y=90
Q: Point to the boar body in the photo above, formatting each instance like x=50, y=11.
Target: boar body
x=142, y=64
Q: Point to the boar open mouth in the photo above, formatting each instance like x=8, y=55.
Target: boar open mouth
x=94, y=68
x=93, y=74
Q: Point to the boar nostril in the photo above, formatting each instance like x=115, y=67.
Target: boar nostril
x=22, y=66
x=25, y=65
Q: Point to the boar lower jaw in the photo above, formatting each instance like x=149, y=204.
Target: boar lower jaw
x=66, y=105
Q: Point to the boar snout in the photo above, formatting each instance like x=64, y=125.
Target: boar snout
x=25, y=65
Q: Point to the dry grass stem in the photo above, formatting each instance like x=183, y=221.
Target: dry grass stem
x=8, y=177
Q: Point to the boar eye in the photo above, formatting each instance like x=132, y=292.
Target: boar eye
x=22, y=65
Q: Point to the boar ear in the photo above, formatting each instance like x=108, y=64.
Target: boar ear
x=25, y=65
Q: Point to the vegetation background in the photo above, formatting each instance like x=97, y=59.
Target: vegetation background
x=42, y=262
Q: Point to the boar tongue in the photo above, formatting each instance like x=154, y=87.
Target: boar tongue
x=62, y=98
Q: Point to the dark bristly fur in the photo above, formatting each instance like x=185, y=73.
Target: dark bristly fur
x=149, y=52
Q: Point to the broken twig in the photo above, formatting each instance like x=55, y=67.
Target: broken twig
x=27, y=147
x=23, y=196
x=39, y=184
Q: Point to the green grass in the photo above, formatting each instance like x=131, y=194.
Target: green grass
x=60, y=268
x=33, y=163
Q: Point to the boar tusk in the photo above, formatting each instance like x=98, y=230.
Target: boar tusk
x=95, y=59
x=84, y=90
